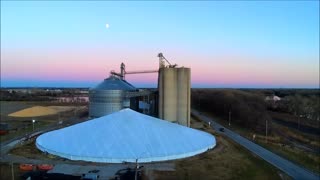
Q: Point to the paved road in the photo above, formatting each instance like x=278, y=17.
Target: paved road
x=293, y=170
x=5, y=146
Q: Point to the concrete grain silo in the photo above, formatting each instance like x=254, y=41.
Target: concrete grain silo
x=109, y=96
x=174, y=94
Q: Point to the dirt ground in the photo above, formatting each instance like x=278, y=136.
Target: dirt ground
x=37, y=111
x=8, y=107
x=18, y=126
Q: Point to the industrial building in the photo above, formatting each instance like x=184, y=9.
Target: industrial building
x=119, y=133
x=171, y=101
x=114, y=94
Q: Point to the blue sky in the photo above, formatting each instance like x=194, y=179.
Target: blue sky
x=276, y=43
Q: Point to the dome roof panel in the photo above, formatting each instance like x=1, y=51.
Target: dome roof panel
x=114, y=83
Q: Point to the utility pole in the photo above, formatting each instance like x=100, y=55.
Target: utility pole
x=229, y=117
x=266, y=131
x=12, y=171
x=136, y=173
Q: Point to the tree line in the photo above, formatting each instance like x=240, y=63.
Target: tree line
x=246, y=109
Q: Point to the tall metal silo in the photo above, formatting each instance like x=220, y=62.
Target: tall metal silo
x=109, y=96
x=183, y=96
x=174, y=94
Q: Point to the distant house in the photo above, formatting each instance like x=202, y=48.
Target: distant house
x=273, y=98
x=73, y=99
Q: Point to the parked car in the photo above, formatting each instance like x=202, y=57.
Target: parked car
x=221, y=129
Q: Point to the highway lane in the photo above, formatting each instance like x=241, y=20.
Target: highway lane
x=293, y=170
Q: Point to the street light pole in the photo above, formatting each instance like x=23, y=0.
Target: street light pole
x=33, y=121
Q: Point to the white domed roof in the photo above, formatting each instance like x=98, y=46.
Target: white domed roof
x=125, y=136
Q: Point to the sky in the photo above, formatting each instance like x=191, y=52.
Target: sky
x=227, y=44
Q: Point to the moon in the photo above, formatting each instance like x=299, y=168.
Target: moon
x=107, y=26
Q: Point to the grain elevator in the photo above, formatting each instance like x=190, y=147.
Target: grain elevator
x=170, y=101
x=174, y=92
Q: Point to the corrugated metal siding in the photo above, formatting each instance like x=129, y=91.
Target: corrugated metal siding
x=109, y=96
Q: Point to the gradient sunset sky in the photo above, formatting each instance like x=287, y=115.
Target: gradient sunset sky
x=259, y=44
